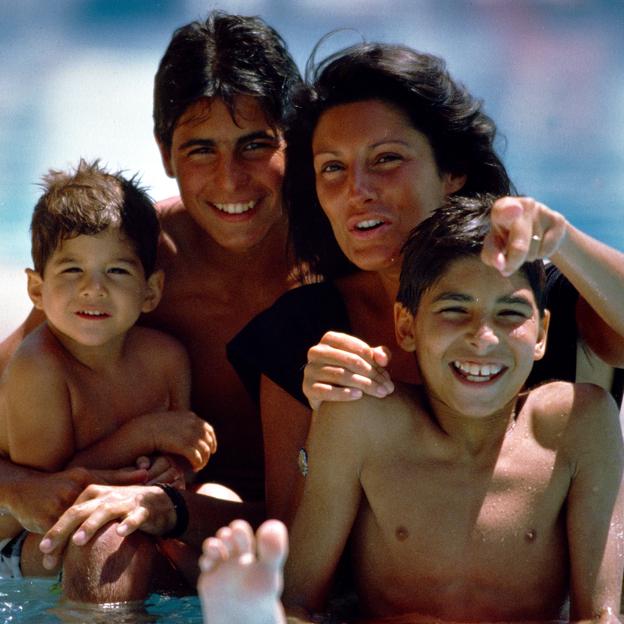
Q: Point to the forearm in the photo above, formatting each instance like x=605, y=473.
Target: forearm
x=117, y=450
x=208, y=514
x=597, y=272
x=10, y=476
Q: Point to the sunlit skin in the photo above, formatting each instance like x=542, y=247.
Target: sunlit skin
x=229, y=170
x=93, y=289
x=476, y=335
x=457, y=502
x=376, y=178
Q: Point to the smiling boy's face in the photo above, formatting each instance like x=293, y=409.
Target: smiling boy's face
x=476, y=335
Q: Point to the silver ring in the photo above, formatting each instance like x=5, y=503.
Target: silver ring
x=536, y=238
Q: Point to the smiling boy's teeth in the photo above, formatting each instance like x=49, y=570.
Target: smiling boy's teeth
x=236, y=208
x=91, y=313
x=369, y=223
x=478, y=371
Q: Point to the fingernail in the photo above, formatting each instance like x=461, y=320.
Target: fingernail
x=49, y=562
x=122, y=529
x=80, y=538
x=45, y=544
x=381, y=391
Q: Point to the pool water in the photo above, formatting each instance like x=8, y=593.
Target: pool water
x=34, y=601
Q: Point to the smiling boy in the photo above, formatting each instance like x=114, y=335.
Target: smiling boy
x=87, y=387
x=465, y=499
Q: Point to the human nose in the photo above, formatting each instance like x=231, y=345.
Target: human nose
x=92, y=285
x=361, y=187
x=231, y=173
x=482, y=335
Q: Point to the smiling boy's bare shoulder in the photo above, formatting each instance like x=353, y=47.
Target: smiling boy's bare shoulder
x=374, y=415
x=572, y=412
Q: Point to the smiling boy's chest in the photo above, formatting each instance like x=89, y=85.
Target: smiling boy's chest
x=461, y=533
x=444, y=510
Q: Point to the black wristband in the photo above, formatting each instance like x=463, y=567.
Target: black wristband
x=180, y=508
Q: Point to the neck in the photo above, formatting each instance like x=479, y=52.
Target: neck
x=97, y=357
x=270, y=257
x=389, y=279
x=474, y=436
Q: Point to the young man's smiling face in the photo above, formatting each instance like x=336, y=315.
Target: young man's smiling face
x=476, y=335
x=229, y=170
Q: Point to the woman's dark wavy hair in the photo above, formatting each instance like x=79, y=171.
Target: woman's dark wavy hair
x=223, y=56
x=461, y=135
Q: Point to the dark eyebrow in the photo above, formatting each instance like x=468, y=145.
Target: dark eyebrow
x=453, y=296
x=260, y=134
x=507, y=299
x=246, y=138
x=516, y=300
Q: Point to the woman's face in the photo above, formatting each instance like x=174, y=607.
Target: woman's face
x=376, y=179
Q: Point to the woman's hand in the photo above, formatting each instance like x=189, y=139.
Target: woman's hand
x=522, y=230
x=342, y=368
x=134, y=507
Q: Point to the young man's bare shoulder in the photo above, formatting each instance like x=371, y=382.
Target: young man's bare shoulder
x=177, y=230
x=155, y=342
x=167, y=208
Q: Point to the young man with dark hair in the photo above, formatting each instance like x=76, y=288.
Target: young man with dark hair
x=221, y=99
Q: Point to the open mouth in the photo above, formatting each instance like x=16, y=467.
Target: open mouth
x=237, y=208
x=479, y=373
x=368, y=224
x=92, y=314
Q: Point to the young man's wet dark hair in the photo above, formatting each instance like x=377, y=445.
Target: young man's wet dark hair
x=419, y=85
x=455, y=230
x=223, y=56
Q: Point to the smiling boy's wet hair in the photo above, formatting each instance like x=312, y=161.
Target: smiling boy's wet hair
x=455, y=230
x=87, y=200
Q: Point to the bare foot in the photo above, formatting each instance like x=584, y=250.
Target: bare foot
x=241, y=574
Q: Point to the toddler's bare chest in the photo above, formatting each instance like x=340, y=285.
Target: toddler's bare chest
x=99, y=407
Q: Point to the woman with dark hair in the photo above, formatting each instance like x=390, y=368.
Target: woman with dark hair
x=383, y=134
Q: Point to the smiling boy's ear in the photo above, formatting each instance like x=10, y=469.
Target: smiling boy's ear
x=404, y=327
x=542, y=336
x=35, y=285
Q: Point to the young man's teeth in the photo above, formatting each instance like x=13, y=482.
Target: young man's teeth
x=236, y=208
x=91, y=313
x=478, y=372
x=368, y=224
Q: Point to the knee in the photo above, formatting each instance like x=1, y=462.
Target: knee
x=109, y=568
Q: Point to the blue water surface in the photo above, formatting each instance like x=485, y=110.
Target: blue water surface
x=35, y=601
